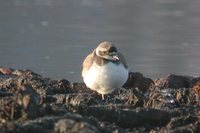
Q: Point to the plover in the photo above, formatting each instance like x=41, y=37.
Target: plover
x=105, y=69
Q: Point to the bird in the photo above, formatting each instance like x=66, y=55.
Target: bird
x=105, y=69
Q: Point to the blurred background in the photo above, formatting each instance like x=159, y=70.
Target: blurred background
x=52, y=37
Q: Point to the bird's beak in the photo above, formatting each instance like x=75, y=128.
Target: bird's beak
x=115, y=57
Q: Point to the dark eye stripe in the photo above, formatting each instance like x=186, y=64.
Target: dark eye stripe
x=112, y=49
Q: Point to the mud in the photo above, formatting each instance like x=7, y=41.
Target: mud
x=32, y=103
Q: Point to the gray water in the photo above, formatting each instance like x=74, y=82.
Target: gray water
x=52, y=37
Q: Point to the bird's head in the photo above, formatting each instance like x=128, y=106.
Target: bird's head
x=107, y=51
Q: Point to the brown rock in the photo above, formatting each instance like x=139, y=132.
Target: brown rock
x=61, y=86
x=128, y=118
x=72, y=126
x=196, y=88
x=29, y=100
x=137, y=80
x=185, y=96
x=174, y=81
x=24, y=103
x=72, y=107
x=6, y=71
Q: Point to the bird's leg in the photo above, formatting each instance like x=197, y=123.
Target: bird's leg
x=102, y=96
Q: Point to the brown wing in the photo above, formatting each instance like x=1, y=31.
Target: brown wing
x=87, y=63
x=123, y=60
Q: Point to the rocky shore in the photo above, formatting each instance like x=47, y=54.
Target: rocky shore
x=30, y=103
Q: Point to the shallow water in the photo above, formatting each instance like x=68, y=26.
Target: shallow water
x=52, y=38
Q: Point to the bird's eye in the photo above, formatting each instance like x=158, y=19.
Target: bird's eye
x=104, y=52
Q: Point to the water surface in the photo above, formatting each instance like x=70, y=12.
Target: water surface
x=52, y=38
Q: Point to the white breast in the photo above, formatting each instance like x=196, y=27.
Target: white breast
x=105, y=79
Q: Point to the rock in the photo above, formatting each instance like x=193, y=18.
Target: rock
x=60, y=86
x=128, y=118
x=31, y=103
x=72, y=126
x=69, y=123
x=184, y=119
x=160, y=99
x=174, y=81
x=5, y=93
x=24, y=103
x=27, y=72
x=76, y=88
x=186, y=96
x=136, y=98
x=137, y=80
x=6, y=71
x=196, y=87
